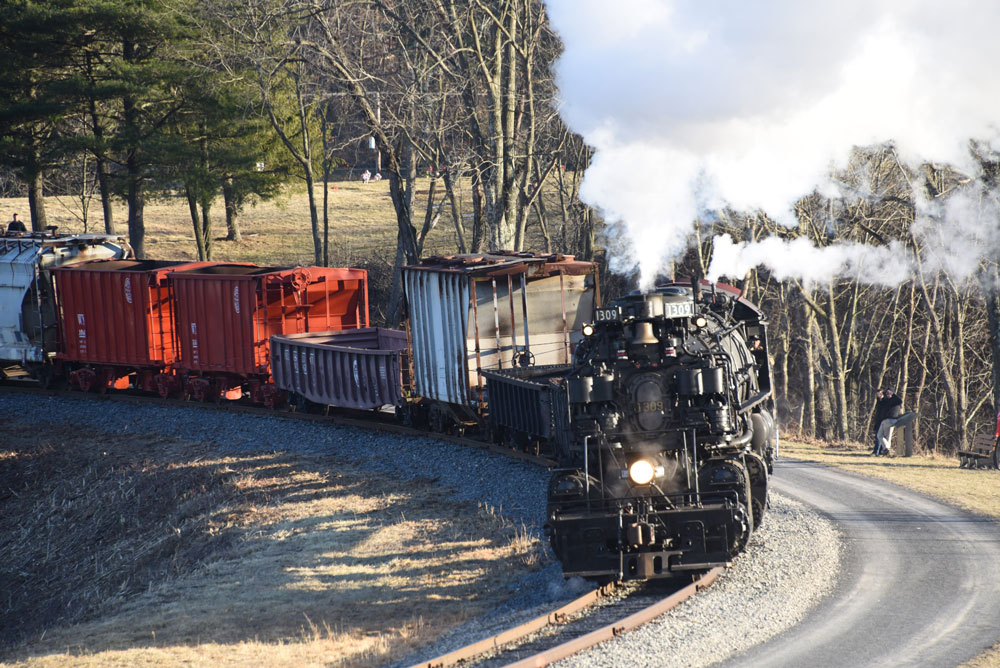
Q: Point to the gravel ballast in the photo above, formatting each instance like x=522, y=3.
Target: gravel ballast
x=791, y=562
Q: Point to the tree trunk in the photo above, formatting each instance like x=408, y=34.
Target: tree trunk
x=136, y=203
x=993, y=317
x=229, y=202
x=103, y=171
x=941, y=349
x=325, y=136
x=509, y=98
x=206, y=227
x=456, y=213
x=133, y=166
x=839, y=369
x=36, y=203
x=199, y=238
x=479, y=223
x=104, y=185
x=540, y=213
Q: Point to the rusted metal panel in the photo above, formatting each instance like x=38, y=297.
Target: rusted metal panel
x=353, y=369
x=118, y=312
x=28, y=318
x=226, y=313
x=493, y=311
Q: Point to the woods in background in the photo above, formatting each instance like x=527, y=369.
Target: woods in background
x=223, y=102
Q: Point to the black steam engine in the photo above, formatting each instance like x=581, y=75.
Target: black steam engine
x=662, y=428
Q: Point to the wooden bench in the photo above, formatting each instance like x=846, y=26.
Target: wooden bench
x=982, y=455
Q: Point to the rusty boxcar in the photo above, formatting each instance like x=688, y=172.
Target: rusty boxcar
x=363, y=368
x=491, y=311
x=226, y=314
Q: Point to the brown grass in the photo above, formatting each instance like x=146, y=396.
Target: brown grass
x=123, y=551
x=977, y=490
x=278, y=232
x=939, y=476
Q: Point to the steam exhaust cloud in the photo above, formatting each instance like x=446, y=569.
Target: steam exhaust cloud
x=693, y=107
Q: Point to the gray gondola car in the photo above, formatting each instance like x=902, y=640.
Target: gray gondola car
x=361, y=368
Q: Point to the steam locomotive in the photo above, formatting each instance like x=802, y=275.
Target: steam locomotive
x=663, y=429
x=658, y=407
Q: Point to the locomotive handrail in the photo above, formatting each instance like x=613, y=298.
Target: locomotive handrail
x=754, y=400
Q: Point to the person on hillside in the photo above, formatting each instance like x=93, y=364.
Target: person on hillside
x=893, y=409
x=16, y=225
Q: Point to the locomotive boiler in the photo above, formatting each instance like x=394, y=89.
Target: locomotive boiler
x=663, y=429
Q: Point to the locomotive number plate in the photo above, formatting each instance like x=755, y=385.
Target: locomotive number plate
x=607, y=314
x=678, y=310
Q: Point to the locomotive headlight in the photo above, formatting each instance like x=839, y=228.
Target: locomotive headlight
x=641, y=472
x=700, y=322
x=588, y=330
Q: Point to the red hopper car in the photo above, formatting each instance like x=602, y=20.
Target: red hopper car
x=117, y=322
x=226, y=314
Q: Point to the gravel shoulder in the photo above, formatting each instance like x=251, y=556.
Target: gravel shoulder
x=790, y=565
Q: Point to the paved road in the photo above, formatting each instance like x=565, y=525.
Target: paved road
x=920, y=583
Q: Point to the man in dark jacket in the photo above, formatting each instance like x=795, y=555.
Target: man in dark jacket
x=16, y=225
x=892, y=407
x=878, y=417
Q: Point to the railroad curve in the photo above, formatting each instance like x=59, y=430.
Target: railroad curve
x=920, y=580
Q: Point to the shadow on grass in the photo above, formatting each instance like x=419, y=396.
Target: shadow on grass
x=160, y=544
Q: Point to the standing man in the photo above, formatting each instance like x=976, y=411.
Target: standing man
x=893, y=409
x=16, y=225
x=877, y=418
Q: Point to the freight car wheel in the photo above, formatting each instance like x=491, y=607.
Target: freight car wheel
x=438, y=420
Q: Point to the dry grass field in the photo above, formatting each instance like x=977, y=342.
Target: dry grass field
x=277, y=232
x=939, y=476
x=132, y=551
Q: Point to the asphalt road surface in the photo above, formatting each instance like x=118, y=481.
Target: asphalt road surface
x=919, y=585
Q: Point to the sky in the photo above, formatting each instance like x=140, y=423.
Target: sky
x=693, y=107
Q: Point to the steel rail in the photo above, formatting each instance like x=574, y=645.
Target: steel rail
x=342, y=417
x=509, y=636
x=615, y=629
x=554, y=618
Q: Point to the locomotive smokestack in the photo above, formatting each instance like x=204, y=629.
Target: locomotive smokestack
x=696, y=290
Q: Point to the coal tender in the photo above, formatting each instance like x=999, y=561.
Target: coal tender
x=663, y=429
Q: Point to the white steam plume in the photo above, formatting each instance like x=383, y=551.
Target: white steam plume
x=694, y=106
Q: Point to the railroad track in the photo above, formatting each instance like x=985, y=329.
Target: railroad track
x=599, y=615
x=595, y=617
x=370, y=420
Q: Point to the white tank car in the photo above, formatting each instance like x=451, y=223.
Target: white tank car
x=28, y=322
